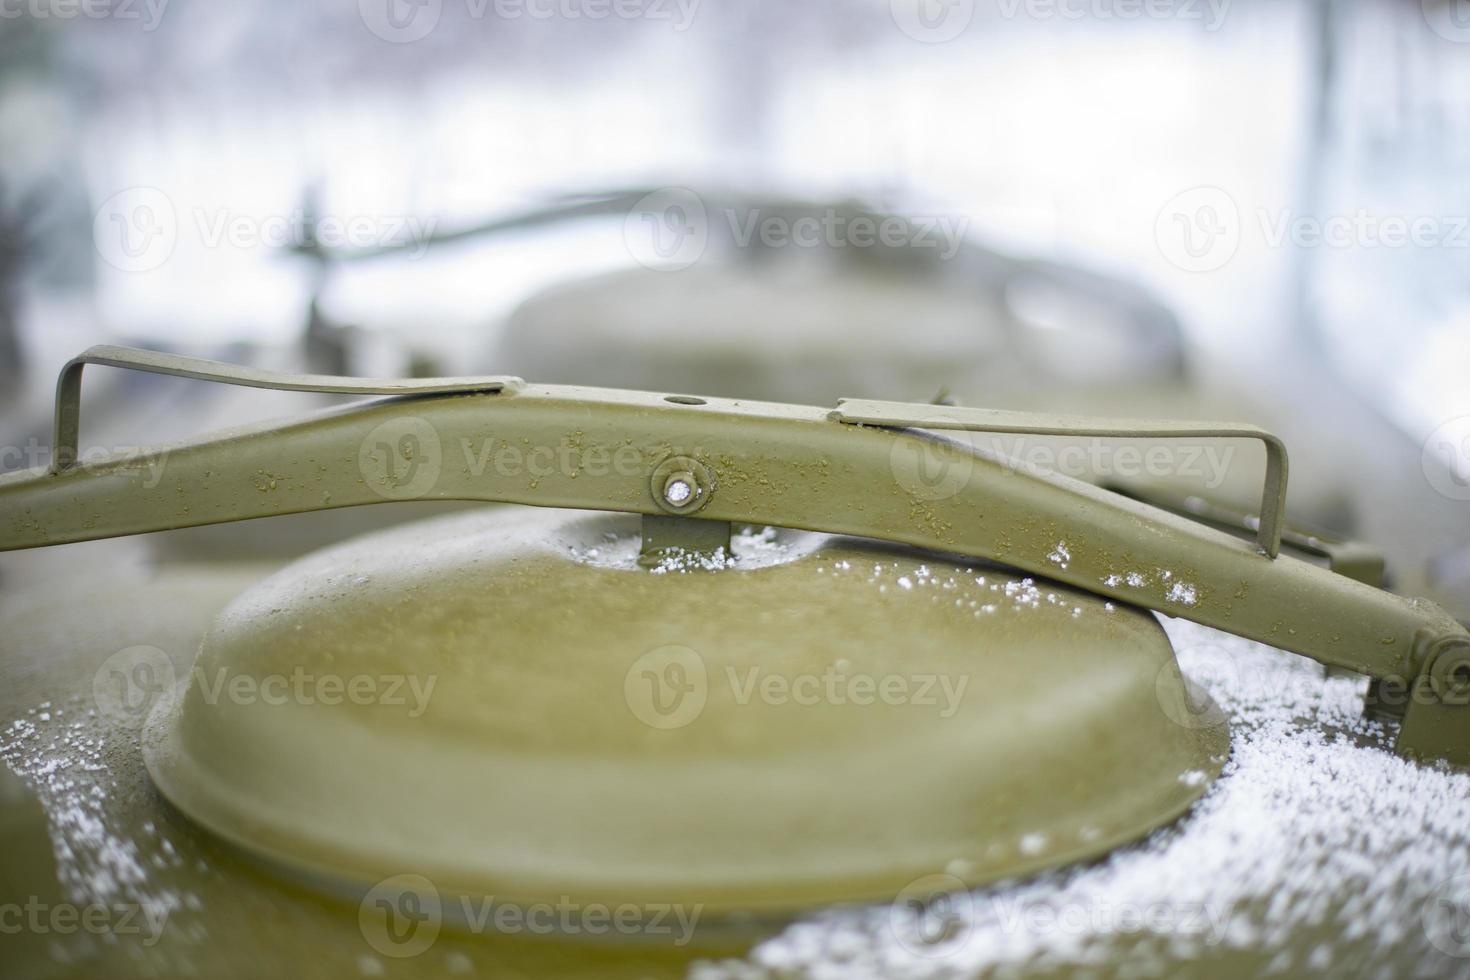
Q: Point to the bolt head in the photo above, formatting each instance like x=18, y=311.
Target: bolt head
x=678, y=491
x=681, y=485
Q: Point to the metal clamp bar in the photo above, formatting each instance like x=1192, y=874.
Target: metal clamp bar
x=765, y=455
x=860, y=411
x=67, y=431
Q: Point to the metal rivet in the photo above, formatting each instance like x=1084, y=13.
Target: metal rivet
x=1449, y=671
x=677, y=491
x=681, y=485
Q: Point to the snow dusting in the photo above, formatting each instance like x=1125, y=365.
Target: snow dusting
x=1317, y=852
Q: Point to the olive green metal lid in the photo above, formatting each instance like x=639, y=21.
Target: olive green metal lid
x=813, y=331
x=507, y=703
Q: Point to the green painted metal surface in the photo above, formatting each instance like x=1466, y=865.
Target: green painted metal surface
x=780, y=465
x=706, y=735
x=1066, y=695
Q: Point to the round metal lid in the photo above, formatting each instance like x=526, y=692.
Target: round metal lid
x=773, y=332
x=506, y=703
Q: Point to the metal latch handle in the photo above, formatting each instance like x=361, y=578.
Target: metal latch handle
x=861, y=411
x=67, y=432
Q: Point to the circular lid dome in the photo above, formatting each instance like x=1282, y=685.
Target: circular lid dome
x=506, y=703
x=795, y=331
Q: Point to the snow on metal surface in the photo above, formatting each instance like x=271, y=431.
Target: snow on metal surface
x=1317, y=852
x=66, y=755
x=750, y=548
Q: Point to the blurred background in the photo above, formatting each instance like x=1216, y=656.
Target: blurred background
x=1246, y=209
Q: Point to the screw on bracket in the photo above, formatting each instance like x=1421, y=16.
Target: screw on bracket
x=681, y=485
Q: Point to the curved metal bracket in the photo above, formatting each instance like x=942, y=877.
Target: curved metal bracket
x=769, y=464
x=891, y=415
x=67, y=432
